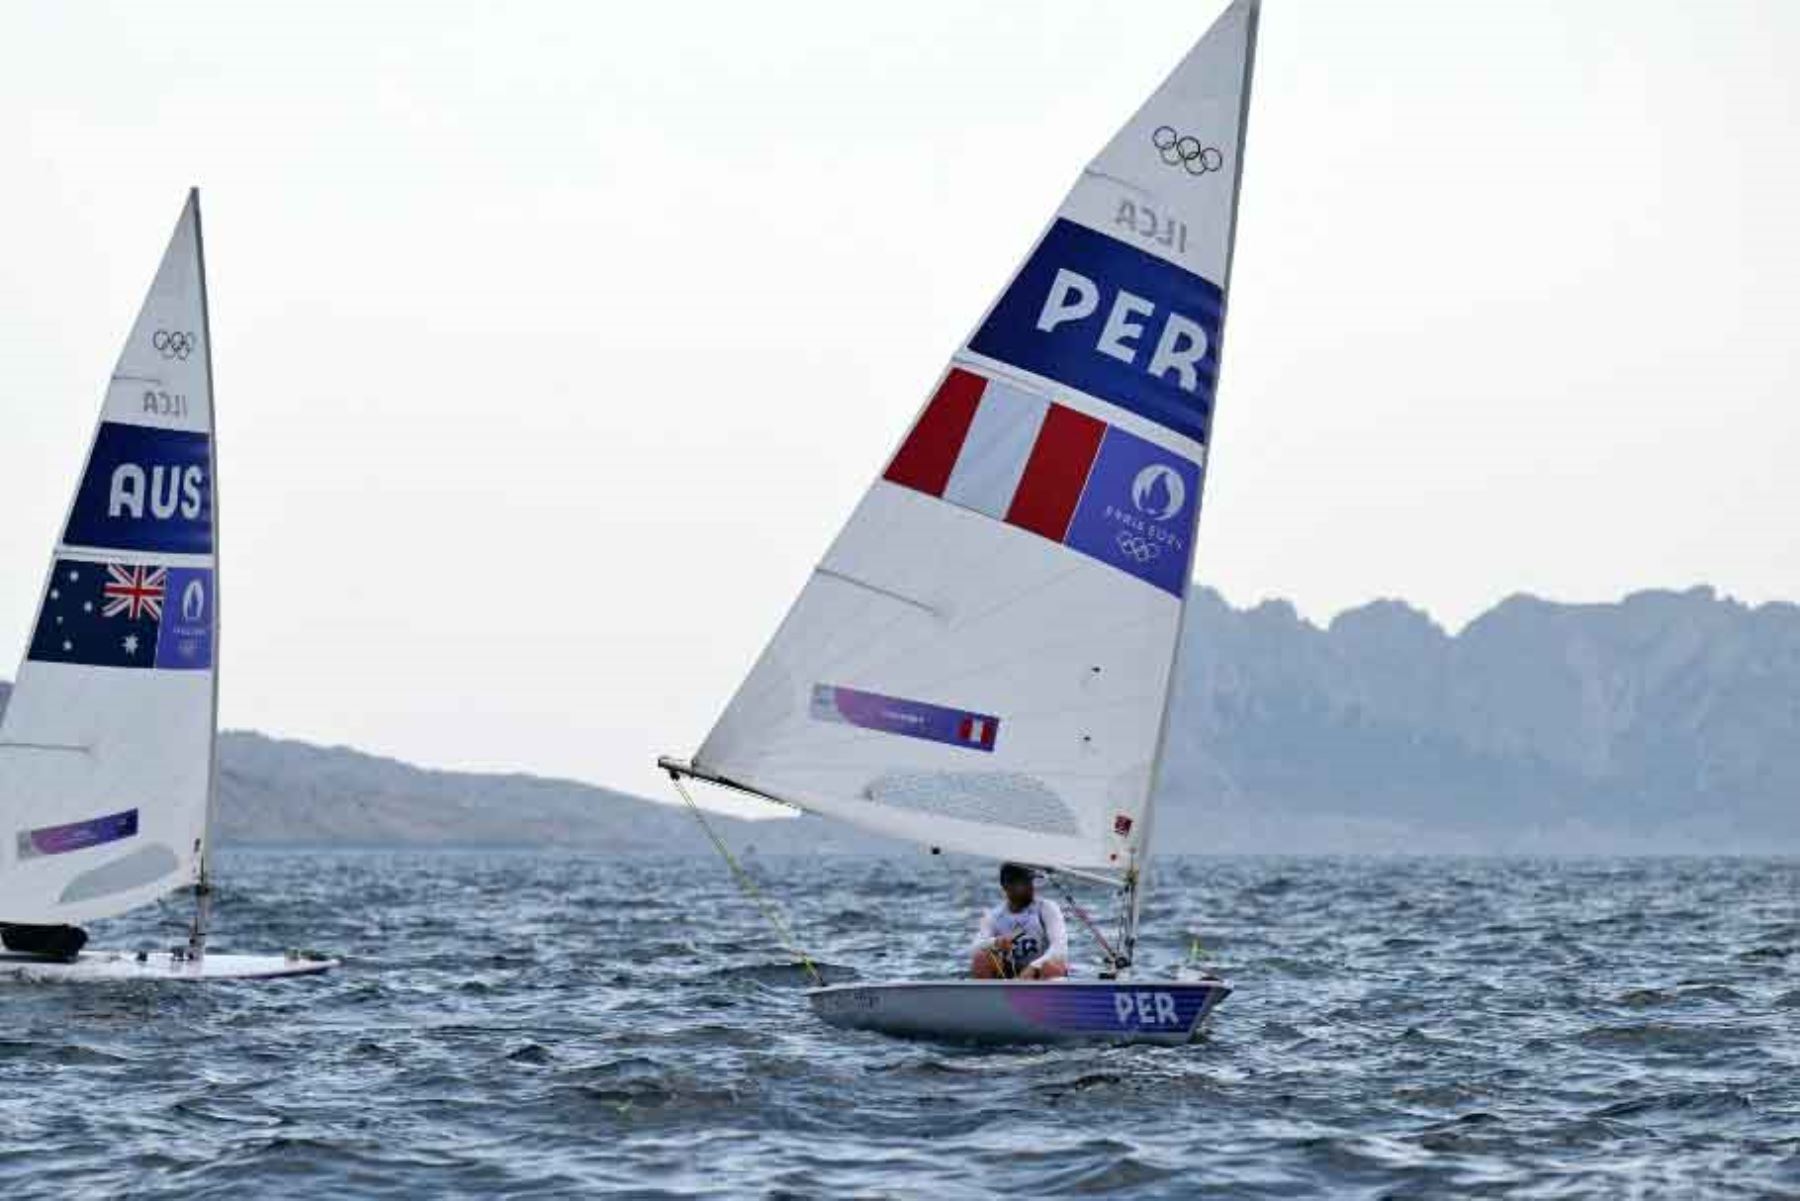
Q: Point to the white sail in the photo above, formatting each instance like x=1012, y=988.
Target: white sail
x=106, y=748
x=982, y=661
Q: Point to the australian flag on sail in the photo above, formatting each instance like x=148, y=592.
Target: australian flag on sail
x=119, y=615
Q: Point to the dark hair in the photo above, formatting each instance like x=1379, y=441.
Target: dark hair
x=1014, y=873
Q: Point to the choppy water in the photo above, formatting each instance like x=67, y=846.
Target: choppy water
x=530, y=1025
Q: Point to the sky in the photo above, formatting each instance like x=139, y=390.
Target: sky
x=554, y=341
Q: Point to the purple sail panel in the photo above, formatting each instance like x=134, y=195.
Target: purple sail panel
x=185, y=642
x=76, y=836
x=913, y=719
x=1138, y=511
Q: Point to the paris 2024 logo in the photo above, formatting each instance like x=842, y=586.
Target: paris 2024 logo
x=1158, y=492
x=1158, y=495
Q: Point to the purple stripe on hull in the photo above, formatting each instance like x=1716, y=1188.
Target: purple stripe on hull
x=1123, y=1008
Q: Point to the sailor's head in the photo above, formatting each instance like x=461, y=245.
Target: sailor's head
x=1016, y=882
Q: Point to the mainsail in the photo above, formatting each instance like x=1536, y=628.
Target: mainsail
x=982, y=661
x=107, y=744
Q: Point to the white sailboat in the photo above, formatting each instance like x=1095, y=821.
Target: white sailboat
x=983, y=660
x=109, y=743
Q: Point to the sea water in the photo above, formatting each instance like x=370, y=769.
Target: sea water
x=512, y=1023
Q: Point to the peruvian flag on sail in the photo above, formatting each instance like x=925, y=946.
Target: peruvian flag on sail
x=1000, y=450
x=986, y=445
x=976, y=731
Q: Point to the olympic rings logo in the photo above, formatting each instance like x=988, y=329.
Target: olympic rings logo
x=175, y=345
x=1141, y=549
x=1184, y=150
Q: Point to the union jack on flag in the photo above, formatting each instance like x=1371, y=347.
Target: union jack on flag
x=137, y=592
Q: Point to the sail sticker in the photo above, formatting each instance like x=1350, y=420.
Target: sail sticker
x=185, y=641
x=989, y=446
x=914, y=719
x=145, y=489
x=125, y=615
x=1137, y=513
x=1114, y=321
x=77, y=836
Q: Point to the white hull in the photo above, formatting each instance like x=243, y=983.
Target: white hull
x=158, y=965
x=1007, y=1011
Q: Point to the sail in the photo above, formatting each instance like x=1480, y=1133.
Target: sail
x=982, y=660
x=106, y=747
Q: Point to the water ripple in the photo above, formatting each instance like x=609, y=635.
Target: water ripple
x=519, y=1025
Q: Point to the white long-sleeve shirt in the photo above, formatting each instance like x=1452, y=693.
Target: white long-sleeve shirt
x=1038, y=933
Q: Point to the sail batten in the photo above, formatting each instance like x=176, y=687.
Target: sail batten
x=983, y=658
x=120, y=664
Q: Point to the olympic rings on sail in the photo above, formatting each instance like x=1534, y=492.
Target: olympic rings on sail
x=174, y=345
x=1141, y=549
x=1184, y=150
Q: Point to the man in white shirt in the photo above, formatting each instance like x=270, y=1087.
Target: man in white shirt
x=1022, y=937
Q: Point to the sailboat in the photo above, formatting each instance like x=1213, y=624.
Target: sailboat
x=983, y=660
x=109, y=744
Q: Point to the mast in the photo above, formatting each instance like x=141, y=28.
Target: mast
x=1136, y=880
x=203, y=886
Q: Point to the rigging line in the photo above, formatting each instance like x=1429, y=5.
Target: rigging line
x=749, y=886
x=1112, y=956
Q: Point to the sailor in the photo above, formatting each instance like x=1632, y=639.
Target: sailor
x=1022, y=937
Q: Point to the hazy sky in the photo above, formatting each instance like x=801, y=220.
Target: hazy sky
x=553, y=342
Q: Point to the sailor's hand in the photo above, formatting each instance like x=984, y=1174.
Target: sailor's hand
x=1034, y=972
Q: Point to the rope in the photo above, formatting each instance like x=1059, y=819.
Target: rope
x=1111, y=956
x=749, y=886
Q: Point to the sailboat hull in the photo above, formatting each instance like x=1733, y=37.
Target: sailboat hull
x=92, y=966
x=1010, y=1011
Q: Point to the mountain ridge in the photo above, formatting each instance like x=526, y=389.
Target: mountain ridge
x=1667, y=721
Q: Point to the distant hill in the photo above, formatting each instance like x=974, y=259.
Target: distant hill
x=282, y=792
x=1666, y=722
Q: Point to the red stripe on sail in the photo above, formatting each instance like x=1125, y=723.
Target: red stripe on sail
x=928, y=456
x=1056, y=472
